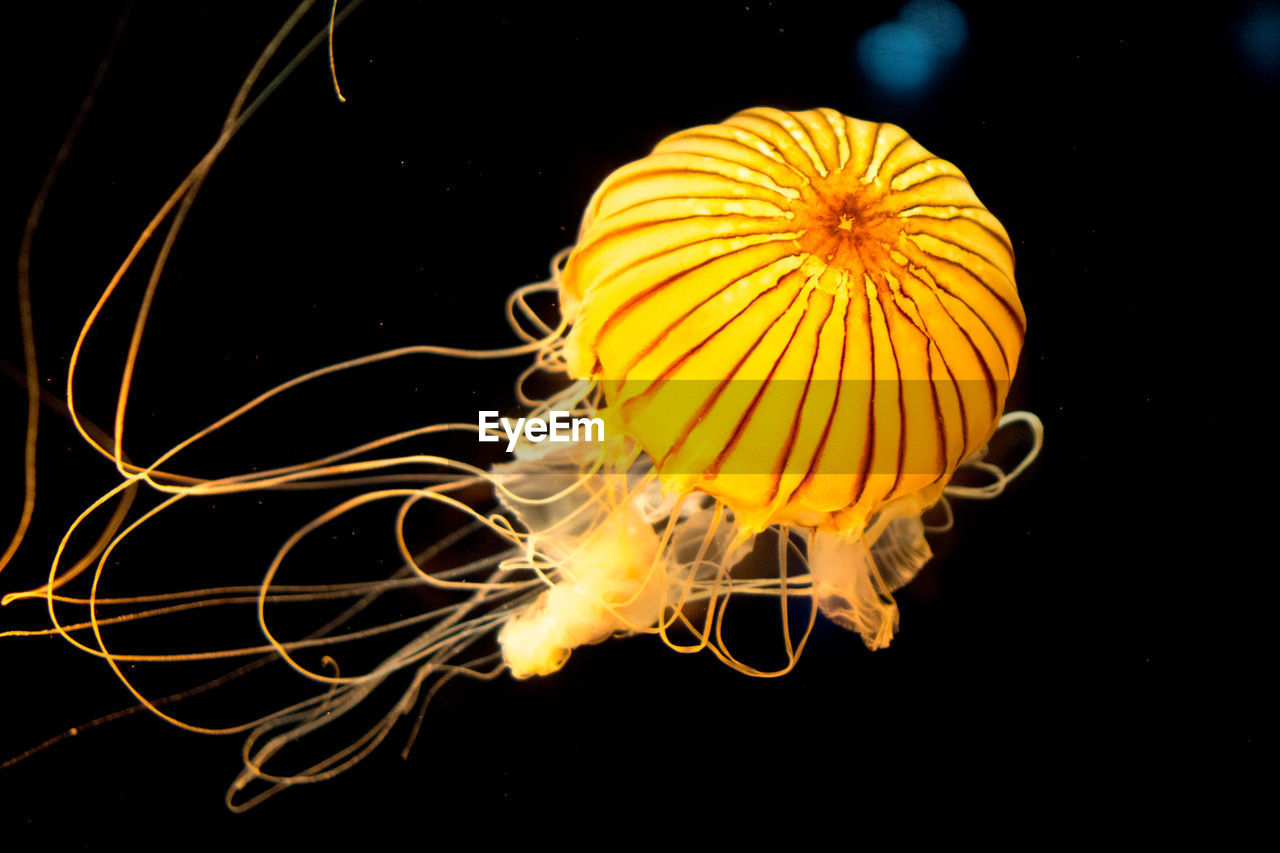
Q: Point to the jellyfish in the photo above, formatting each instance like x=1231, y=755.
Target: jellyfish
x=809, y=318
x=795, y=329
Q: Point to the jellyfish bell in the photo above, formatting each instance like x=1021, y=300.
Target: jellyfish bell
x=794, y=253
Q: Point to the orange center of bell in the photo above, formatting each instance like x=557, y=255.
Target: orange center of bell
x=846, y=224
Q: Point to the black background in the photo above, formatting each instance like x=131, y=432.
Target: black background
x=1089, y=644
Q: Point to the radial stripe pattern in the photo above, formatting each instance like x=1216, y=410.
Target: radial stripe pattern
x=806, y=315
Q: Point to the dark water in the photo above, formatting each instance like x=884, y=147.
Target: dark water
x=1089, y=644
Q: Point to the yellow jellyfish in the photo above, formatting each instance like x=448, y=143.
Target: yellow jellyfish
x=807, y=316
x=793, y=325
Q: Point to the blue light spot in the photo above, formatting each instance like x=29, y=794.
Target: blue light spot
x=897, y=57
x=1258, y=36
x=904, y=58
